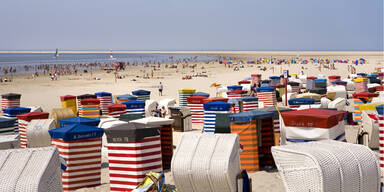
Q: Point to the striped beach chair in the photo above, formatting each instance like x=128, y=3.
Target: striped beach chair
x=105, y=100
x=360, y=99
x=250, y=103
x=196, y=104
x=380, y=111
x=135, y=107
x=184, y=94
x=69, y=101
x=11, y=113
x=276, y=121
x=267, y=95
x=133, y=151
x=142, y=95
x=10, y=100
x=84, y=96
x=115, y=110
x=313, y=125
x=166, y=135
x=80, y=146
x=90, y=108
x=210, y=110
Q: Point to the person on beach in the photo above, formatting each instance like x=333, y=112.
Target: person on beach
x=160, y=89
x=163, y=112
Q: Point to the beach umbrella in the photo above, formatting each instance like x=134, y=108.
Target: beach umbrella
x=215, y=85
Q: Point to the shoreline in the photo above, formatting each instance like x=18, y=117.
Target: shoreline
x=256, y=53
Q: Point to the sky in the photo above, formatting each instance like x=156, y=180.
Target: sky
x=243, y=25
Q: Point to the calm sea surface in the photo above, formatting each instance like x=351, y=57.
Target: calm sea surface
x=19, y=60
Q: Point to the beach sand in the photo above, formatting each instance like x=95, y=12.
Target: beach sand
x=46, y=93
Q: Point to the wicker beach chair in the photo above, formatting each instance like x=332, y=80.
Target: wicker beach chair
x=9, y=141
x=207, y=162
x=327, y=166
x=32, y=170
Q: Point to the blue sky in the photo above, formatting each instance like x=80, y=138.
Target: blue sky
x=270, y=25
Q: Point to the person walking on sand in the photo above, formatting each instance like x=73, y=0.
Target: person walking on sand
x=160, y=89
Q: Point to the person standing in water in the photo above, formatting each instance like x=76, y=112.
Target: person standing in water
x=160, y=89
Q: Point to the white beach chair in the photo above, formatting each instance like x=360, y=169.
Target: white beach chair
x=32, y=170
x=338, y=103
x=9, y=141
x=371, y=126
x=150, y=105
x=206, y=163
x=37, y=132
x=327, y=166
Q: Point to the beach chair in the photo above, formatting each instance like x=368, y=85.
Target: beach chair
x=327, y=166
x=206, y=162
x=32, y=170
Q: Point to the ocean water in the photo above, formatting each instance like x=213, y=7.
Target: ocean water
x=20, y=60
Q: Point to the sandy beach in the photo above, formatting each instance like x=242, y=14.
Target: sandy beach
x=46, y=93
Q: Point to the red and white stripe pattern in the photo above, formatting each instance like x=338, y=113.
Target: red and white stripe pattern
x=130, y=162
x=268, y=98
x=83, y=160
x=115, y=110
x=381, y=141
x=6, y=103
x=196, y=105
x=276, y=125
x=250, y=105
x=104, y=102
x=236, y=94
x=197, y=112
x=23, y=133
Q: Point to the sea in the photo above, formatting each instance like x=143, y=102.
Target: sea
x=20, y=60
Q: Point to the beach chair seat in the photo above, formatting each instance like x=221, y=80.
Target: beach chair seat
x=327, y=166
